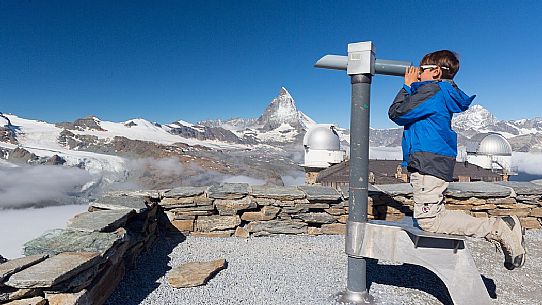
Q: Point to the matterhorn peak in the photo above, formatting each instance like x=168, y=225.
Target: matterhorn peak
x=284, y=93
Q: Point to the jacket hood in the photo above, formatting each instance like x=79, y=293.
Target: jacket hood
x=456, y=100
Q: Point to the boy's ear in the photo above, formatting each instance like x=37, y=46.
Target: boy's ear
x=436, y=73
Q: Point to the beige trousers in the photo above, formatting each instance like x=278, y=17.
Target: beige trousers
x=432, y=216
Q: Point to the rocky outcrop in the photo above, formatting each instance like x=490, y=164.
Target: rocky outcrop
x=88, y=123
x=21, y=155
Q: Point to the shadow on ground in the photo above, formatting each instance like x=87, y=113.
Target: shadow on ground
x=415, y=277
x=150, y=266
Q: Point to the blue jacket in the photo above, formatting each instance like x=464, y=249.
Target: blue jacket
x=425, y=110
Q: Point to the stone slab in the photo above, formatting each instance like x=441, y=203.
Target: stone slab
x=54, y=270
x=316, y=217
x=476, y=189
x=229, y=191
x=230, y=207
x=31, y=301
x=187, y=191
x=215, y=222
x=277, y=192
x=194, y=273
x=393, y=189
x=139, y=204
x=522, y=188
x=277, y=227
x=320, y=193
x=96, y=293
x=15, y=265
x=12, y=294
x=99, y=221
x=58, y=241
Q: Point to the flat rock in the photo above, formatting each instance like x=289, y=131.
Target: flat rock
x=278, y=227
x=394, y=189
x=277, y=192
x=15, y=265
x=232, y=206
x=320, y=193
x=229, y=191
x=187, y=191
x=523, y=188
x=11, y=294
x=476, y=189
x=100, y=221
x=215, y=222
x=137, y=203
x=194, y=274
x=96, y=293
x=58, y=241
x=316, y=217
x=54, y=270
x=31, y=301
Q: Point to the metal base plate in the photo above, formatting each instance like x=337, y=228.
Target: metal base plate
x=354, y=298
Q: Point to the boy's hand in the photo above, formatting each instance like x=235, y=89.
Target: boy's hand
x=411, y=75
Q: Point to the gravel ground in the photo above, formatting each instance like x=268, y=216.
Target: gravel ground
x=311, y=270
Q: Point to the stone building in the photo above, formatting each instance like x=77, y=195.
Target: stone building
x=390, y=172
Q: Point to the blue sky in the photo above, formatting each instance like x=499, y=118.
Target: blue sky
x=195, y=60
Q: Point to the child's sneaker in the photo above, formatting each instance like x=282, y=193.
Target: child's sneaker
x=507, y=231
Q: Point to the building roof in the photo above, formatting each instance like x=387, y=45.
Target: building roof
x=384, y=172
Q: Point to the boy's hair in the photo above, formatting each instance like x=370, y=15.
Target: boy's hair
x=443, y=58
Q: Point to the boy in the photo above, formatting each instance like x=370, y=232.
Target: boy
x=425, y=106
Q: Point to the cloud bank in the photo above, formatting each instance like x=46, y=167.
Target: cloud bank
x=41, y=185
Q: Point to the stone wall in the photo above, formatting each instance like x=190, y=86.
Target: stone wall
x=84, y=263
x=242, y=210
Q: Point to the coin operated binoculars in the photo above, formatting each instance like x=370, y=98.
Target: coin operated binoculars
x=403, y=242
x=360, y=65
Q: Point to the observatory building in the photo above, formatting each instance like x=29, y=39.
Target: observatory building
x=322, y=147
x=491, y=151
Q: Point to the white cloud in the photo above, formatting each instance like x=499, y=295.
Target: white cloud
x=243, y=179
x=22, y=225
x=530, y=163
x=40, y=185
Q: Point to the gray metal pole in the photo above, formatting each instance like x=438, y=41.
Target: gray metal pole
x=356, y=288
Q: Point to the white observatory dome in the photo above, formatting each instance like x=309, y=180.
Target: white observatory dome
x=322, y=137
x=492, y=144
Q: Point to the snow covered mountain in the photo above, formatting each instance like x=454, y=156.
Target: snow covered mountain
x=280, y=124
x=153, y=155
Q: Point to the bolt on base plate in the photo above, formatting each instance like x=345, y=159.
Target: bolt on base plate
x=354, y=298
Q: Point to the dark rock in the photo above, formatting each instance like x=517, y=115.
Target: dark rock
x=22, y=155
x=15, y=265
x=58, y=241
x=229, y=191
x=316, y=217
x=278, y=227
x=320, y=193
x=54, y=270
x=522, y=188
x=212, y=223
x=476, y=189
x=276, y=192
x=137, y=203
x=394, y=189
x=88, y=123
x=55, y=160
x=187, y=191
x=99, y=221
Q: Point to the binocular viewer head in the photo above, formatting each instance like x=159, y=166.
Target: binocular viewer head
x=361, y=60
